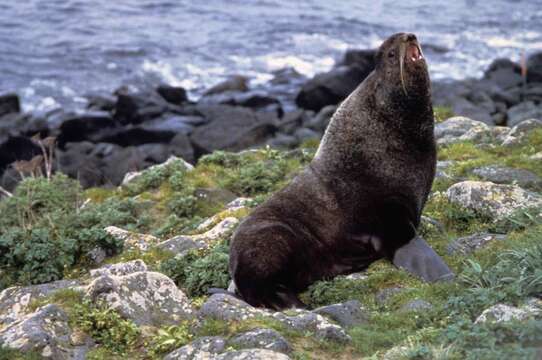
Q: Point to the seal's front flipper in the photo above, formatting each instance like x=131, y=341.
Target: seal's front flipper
x=419, y=259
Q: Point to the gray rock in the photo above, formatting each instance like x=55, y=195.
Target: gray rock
x=132, y=239
x=283, y=141
x=468, y=244
x=321, y=120
x=181, y=147
x=502, y=312
x=460, y=128
x=234, y=83
x=14, y=301
x=9, y=103
x=147, y=298
x=261, y=339
x=384, y=295
x=97, y=255
x=520, y=132
x=252, y=354
x=464, y=107
x=348, y=314
x=202, y=348
x=494, y=200
x=304, y=134
x=505, y=175
x=119, y=269
x=131, y=176
x=523, y=111
x=183, y=243
x=45, y=331
x=417, y=305
x=228, y=308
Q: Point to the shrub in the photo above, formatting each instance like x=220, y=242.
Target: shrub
x=195, y=272
x=107, y=327
x=170, y=338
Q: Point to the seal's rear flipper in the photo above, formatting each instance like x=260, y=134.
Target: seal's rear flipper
x=419, y=259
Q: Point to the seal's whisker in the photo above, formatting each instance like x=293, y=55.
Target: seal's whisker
x=402, y=51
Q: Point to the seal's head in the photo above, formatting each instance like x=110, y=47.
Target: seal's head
x=401, y=63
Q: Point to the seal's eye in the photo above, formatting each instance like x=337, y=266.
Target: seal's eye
x=391, y=54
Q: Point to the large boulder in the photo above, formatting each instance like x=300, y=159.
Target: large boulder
x=83, y=127
x=262, y=339
x=146, y=298
x=45, y=331
x=521, y=131
x=506, y=175
x=206, y=347
x=494, y=200
x=330, y=88
x=15, y=301
x=463, y=107
x=523, y=111
x=231, y=128
x=228, y=308
x=252, y=354
x=135, y=108
x=503, y=313
x=364, y=59
x=460, y=128
x=172, y=94
x=534, y=68
x=9, y=103
x=17, y=148
x=504, y=73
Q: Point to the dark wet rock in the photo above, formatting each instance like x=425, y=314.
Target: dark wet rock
x=444, y=93
x=136, y=136
x=45, y=331
x=533, y=92
x=504, y=73
x=172, y=94
x=495, y=200
x=17, y=148
x=252, y=354
x=78, y=161
x=506, y=175
x=235, y=83
x=304, y=134
x=321, y=120
x=467, y=244
x=137, y=108
x=21, y=124
x=293, y=120
x=384, y=295
x=534, y=68
x=261, y=339
x=9, y=103
x=347, y=314
x=203, y=348
x=482, y=100
x=14, y=301
x=283, y=141
x=181, y=146
x=364, y=59
x=330, y=88
x=174, y=123
x=84, y=127
x=145, y=297
x=417, y=305
x=101, y=102
x=286, y=76
x=228, y=308
x=232, y=128
x=464, y=107
x=523, y=111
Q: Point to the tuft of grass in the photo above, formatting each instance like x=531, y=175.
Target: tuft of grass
x=442, y=113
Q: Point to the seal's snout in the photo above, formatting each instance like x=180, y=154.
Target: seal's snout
x=413, y=51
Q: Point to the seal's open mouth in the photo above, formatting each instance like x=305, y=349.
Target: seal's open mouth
x=413, y=52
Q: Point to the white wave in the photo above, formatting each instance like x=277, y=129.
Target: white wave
x=163, y=70
x=318, y=41
x=307, y=65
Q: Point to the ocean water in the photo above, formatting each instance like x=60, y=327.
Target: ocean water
x=53, y=52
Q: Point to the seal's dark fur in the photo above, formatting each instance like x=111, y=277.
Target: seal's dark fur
x=359, y=200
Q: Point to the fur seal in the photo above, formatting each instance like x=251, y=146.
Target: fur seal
x=361, y=197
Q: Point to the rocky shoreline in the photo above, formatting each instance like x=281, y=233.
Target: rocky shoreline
x=132, y=129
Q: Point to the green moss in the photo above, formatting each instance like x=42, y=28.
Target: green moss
x=442, y=113
x=68, y=299
x=11, y=354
